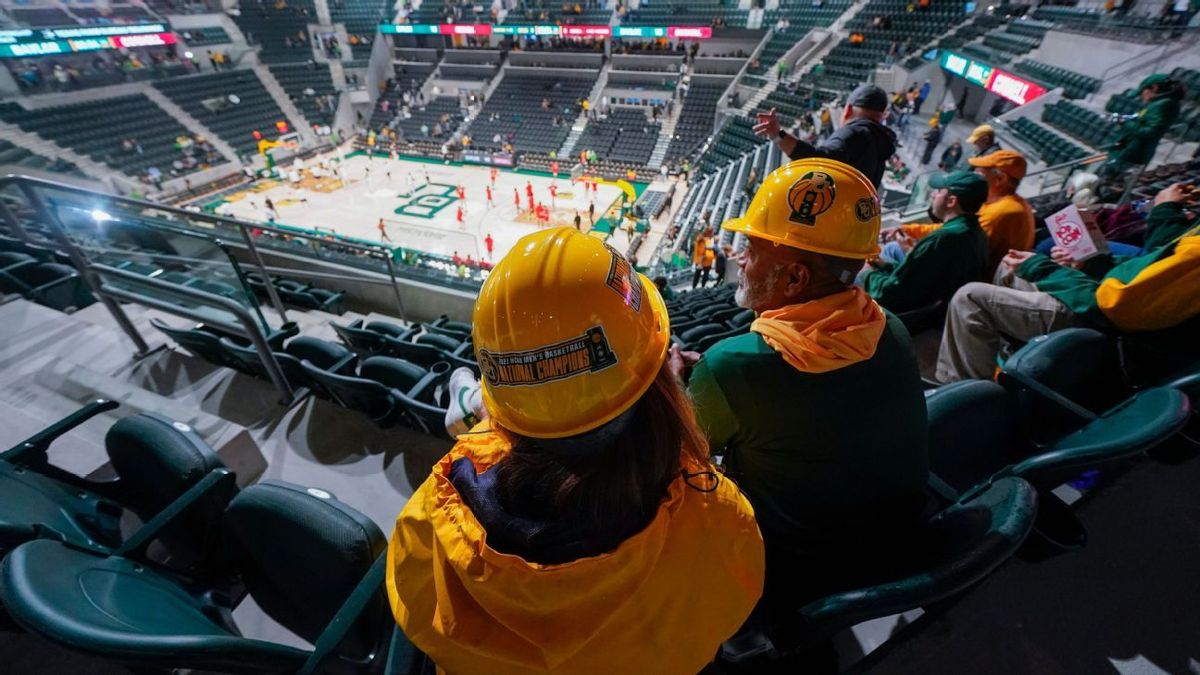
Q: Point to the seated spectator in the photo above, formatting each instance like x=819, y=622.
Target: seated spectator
x=939, y=264
x=1035, y=294
x=586, y=507
x=818, y=410
x=1006, y=218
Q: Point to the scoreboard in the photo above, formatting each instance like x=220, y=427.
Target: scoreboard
x=29, y=42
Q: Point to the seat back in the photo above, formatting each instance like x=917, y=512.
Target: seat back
x=692, y=336
x=301, y=553
x=362, y=341
x=158, y=459
x=421, y=393
x=200, y=341
x=366, y=396
x=955, y=549
x=742, y=319
x=392, y=372
x=442, y=342
x=972, y=432
x=420, y=354
x=391, y=329
x=1081, y=364
x=13, y=258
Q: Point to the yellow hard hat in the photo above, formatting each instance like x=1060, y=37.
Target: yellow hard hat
x=819, y=205
x=567, y=334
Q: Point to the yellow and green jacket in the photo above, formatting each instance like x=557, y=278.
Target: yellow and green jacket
x=661, y=602
x=1153, y=291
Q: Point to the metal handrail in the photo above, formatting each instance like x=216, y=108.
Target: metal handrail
x=245, y=327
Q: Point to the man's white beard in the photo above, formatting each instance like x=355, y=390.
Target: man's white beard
x=750, y=296
x=739, y=294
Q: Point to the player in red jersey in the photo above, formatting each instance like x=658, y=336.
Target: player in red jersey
x=493, y=172
x=488, y=190
x=517, y=199
x=553, y=195
x=489, y=243
x=462, y=193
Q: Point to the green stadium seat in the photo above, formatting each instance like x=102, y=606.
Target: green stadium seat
x=952, y=551
x=328, y=356
x=280, y=539
x=154, y=459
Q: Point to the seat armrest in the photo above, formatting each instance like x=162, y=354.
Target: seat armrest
x=33, y=449
x=366, y=590
x=214, y=483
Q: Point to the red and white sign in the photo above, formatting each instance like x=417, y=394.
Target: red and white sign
x=693, y=32
x=586, y=31
x=148, y=40
x=1014, y=88
x=1077, y=232
x=465, y=29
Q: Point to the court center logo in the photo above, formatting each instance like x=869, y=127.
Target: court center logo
x=427, y=200
x=811, y=196
x=586, y=353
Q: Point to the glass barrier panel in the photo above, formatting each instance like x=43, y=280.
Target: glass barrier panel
x=127, y=236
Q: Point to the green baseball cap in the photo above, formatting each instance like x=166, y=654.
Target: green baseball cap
x=1151, y=80
x=970, y=188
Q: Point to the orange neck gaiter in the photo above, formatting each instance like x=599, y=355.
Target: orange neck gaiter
x=824, y=334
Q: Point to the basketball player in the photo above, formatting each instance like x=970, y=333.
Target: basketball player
x=459, y=217
x=493, y=172
x=553, y=195
x=461, y=192
x=489, y=243
x=383, y=231
x=488, y=189
x=517, y=199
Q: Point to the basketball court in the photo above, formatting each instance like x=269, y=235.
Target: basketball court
x=419, y=203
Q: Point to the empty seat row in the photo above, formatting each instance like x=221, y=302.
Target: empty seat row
x=233, y=104
x=1054, y=149
x=297, y=294
x=171, y=585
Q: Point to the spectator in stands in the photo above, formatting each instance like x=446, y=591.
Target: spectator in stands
x=1138, y=137
x=1035, y=294
x=922, y=94
x=833, y=483
x=702, y=257
x=932, y=138
x=983, y=137
x=862, y=141
x=1006, y=217
x=951, y=156
x=585, y=504
x=953, y=255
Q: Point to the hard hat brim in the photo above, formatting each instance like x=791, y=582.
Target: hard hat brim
x=659, y=307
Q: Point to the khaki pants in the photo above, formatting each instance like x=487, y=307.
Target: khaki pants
x=981, y=315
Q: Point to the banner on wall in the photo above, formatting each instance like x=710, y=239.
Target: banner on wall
x=676, y=32
x=999, y=82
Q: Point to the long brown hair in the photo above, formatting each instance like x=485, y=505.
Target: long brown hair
x=615, y=491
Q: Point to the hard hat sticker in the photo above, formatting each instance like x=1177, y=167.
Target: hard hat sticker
x=586, y=353
x=811, y=196
x=866, y=208
x=623, y=279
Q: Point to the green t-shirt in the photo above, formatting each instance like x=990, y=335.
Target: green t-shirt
x=825, y=458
